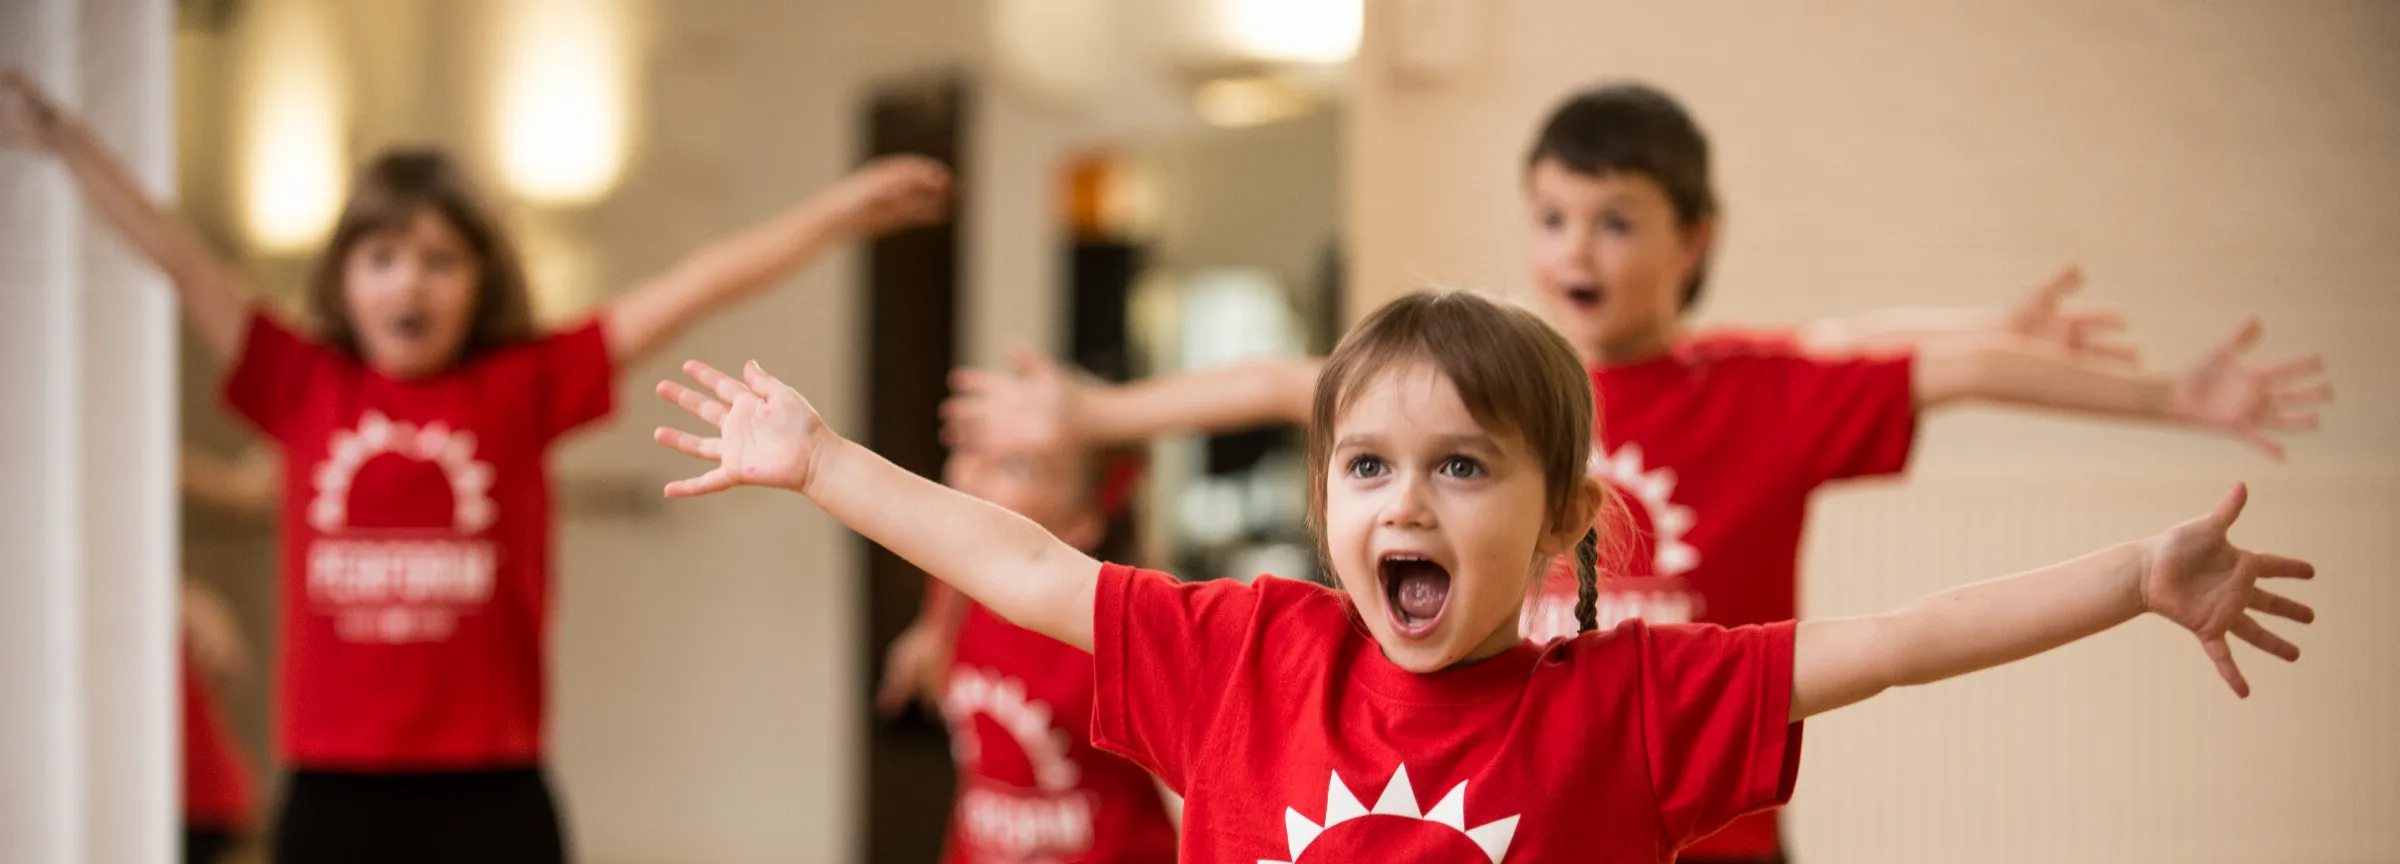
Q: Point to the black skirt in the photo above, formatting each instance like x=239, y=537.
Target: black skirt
x=504, y=816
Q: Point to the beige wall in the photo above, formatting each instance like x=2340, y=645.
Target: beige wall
x=2202, y=160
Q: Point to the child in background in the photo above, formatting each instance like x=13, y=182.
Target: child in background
x=416, y=418
x=218, y=794
x=1715, y=440
x=1448, y=444
x=1031, y=787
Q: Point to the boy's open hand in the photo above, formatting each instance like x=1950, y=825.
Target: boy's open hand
x=2045, y=317
x=2224, y=392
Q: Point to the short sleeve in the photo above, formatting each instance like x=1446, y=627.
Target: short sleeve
x=1163, y=656
x=1850, y=416
x=275, y=374
x=1716, y=719
x=574, y=381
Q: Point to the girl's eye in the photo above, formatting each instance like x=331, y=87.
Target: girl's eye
x=1552, y=219
x=1364, y=467
x=1615, y=224
x=1461, y=468
x=440, y=262
x=381, y=255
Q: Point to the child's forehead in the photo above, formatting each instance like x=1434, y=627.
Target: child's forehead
x=1415, y=380
x=1410, y=401
x=417, y=222
x=1551, y=178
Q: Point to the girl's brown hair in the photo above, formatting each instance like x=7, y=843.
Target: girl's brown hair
x=391, y=190
x=1515, y=374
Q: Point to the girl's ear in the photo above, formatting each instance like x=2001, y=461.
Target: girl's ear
x=1583, y=512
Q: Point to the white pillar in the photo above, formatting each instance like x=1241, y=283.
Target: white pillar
x=39, y=544
x=88, y=755
x=127, y=383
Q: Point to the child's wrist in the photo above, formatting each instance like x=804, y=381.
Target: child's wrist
x=1077, y=416
x=2009, y=320
x=828, y=451
x=52, y=135
x=2168, y=402
x=2143, y=554
x=62, y=129
x=831, y=212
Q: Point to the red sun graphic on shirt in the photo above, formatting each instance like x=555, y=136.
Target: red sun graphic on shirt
x=400, y=510
x=1395, y=829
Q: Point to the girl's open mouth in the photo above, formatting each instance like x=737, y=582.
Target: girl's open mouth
x=1416, y=590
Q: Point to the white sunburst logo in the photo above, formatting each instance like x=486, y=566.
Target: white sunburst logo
x=1655, y=489
x=1028, y=721
x=1398, y=799
x=452, y=451
x=407, y=588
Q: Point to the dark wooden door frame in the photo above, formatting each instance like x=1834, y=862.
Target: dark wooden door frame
x=911, y=315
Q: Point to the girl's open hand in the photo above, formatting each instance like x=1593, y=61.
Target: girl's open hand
x=768, y=435
x=2195, y=577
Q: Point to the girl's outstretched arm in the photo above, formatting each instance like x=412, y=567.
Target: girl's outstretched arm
x=884, y=195
x=210, y=290
x=2190, y=574
x=768, y=435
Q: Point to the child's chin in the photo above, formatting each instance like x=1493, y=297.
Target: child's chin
x=412, y=359
x=1581, y=326
x=414, y=367
x=1420, y=656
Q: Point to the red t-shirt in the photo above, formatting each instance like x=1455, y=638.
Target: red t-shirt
x=216, y=785
x=1294, y=740
x=416, y=545
x=1713, y=450
x=1031, y=787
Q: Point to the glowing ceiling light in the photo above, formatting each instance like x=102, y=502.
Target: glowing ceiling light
x=290, y=155
x=561, y=106
x=1290, y=31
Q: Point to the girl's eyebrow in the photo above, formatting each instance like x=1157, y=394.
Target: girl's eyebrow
x=1469, y=441
x=1455, y=441
x=1349, y=441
